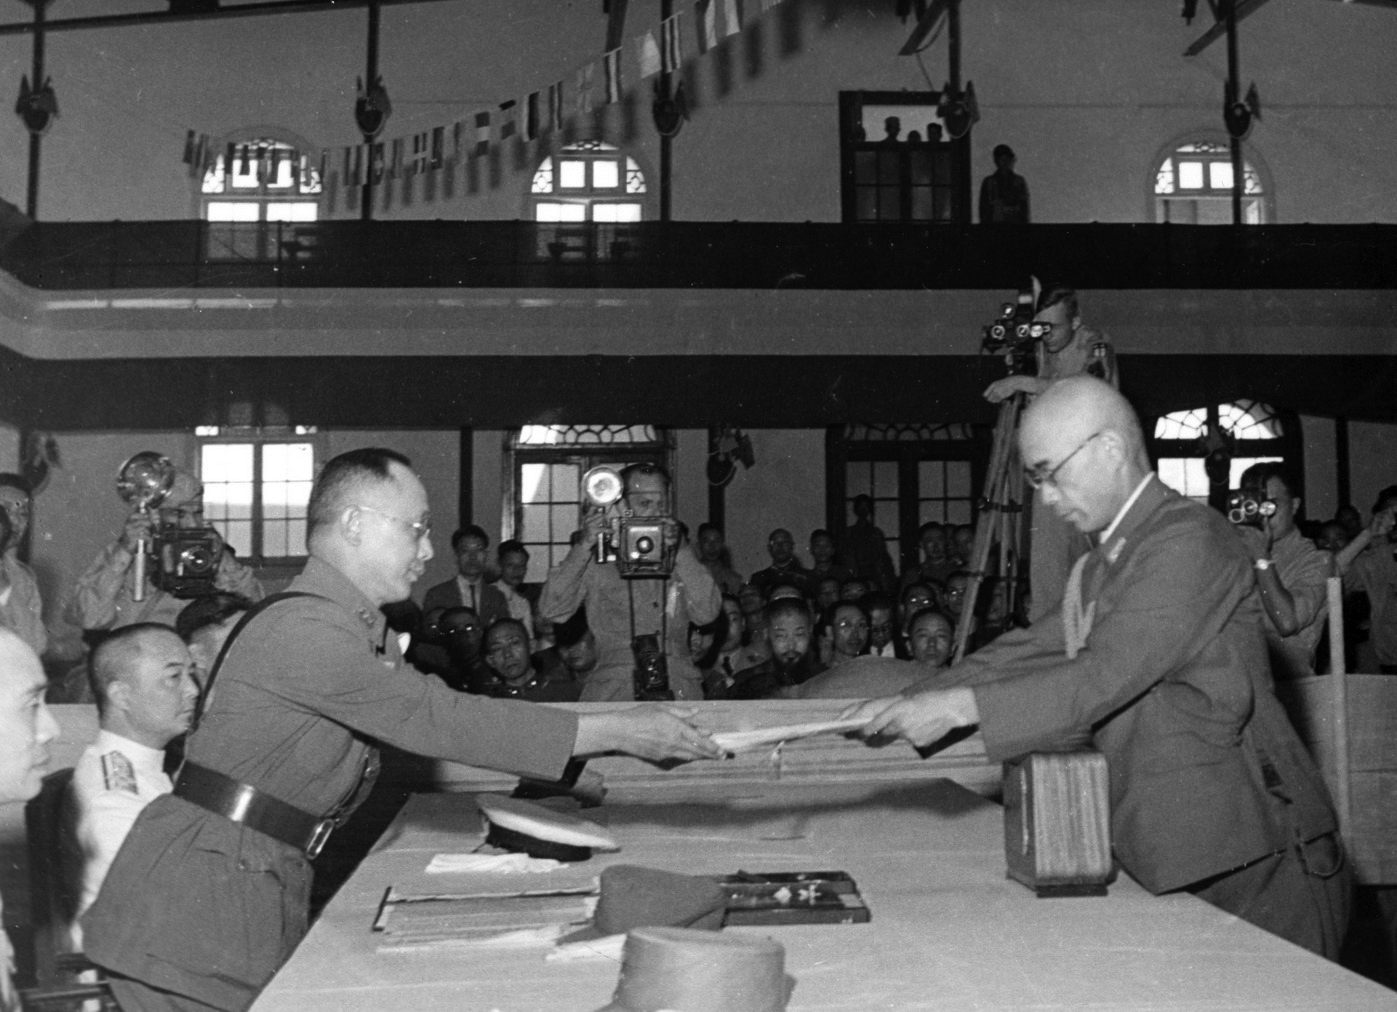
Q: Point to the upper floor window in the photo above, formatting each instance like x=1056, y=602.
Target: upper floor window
x=546, y=469
x=262, y=179
x=898, y=161
x=256, y=487
x=1193, y=186
x=590, y=181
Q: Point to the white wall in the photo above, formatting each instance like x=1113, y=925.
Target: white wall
x=786, y=488
x=1321, y=467
x=1373, y=452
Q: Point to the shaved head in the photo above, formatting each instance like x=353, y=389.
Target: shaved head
x=26, y=726
x=1082, y=441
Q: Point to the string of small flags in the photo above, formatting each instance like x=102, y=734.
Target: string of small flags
x=538, y=113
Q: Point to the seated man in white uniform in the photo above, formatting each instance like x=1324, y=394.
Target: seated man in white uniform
x=143, y=679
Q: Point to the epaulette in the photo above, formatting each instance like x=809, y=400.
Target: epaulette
x=118, y=774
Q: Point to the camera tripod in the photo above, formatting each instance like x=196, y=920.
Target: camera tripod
x=1000, y=521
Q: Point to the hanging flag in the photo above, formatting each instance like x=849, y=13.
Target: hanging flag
x=584, y=89
x=324, y=167
x=531, y=130
x=671, y=50
x=331, y=188
x=189, y=147
x=349, y=167
x=418, y=162
x=732, y=9
x=376, y=163
x=555, y=106
x=458, y=139
x=509, y=119
x=395, y=164
x=273, y=164
x=438, y=147
x=242, y=161
x=482, y=133
x=648, y=53
x=230, y=155
x=611, y=65
x=706, y=25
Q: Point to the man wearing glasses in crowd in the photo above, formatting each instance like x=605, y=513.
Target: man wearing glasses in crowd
x=1157, y=657
x=1069, y=348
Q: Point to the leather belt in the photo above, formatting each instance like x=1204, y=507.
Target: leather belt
x=257, y=810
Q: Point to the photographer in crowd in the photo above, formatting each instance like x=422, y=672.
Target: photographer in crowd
x=108, y=595
x=20, y=606
x=1068, y=349
x=1369, y=566
x=1291, y=573
x=636, y=620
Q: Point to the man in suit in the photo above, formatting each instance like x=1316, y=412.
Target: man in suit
x=211, y=891
x=468, y=588
x=1158, y=658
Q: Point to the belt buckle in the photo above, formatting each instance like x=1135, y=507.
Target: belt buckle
x=318, y=836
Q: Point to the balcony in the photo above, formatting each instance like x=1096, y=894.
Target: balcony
x=513, y=254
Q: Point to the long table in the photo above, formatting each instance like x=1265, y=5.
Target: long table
x=948, y=930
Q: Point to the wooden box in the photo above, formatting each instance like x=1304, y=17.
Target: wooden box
x=1057, y=823
x=1371, y=833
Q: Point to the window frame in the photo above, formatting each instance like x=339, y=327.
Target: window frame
x=955, y=151
x=1251, y=160
x=591, y=150
x=1288, y=446
x=259, y=437
x=257, y=239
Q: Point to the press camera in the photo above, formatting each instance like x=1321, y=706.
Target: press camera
x=636, y=544
x=185, y=559
x=1247, y=510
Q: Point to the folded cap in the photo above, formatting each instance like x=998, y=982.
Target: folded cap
x=540, y=831
x=635, y=897
x=700, y=971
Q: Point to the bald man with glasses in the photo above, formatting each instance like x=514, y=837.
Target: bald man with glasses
x=1157, y=657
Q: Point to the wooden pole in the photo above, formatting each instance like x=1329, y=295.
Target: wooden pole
x=366, y=197
x=31, y=203
x=1234, y=89
x=1339, y=704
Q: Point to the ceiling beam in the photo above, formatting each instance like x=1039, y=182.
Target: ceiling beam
x=148, y=18
x=1219, y=29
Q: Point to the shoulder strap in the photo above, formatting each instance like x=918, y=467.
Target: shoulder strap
x=243, y=623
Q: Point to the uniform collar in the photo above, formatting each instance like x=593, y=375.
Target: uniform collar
x=1142, y=502
x=140, y=755
x=324, y=580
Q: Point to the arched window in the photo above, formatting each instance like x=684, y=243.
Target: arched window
x=547, y=463
x=254, y=184
x=1193, y=185
x=1244, y=433
x=590, y=181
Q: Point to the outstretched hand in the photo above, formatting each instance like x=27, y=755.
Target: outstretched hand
x=922, y=719
x=651, y=731
x=1003, y=389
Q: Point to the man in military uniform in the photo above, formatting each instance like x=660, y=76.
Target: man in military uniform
x=26, y=728
x=209, y=895
x=143, y=681
x=1156, y=657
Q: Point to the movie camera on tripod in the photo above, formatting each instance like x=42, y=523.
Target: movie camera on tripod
x=1014, y=334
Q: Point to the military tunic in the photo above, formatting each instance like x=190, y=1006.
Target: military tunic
x=114, y=780
x=201, y=906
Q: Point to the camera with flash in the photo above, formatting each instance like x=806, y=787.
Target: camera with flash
x=635, y=544
x=185, y=559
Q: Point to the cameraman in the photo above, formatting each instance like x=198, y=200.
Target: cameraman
x=621, y=609
x=1068, y=349
x=1291, y=573
x=105, y=597
x=1369, y=565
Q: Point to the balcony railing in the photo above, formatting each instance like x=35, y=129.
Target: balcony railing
x=514, y=254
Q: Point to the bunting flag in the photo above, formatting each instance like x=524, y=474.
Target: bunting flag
x=189, y=142
x=330, y=186
x=611, y=65
x=648, y=53
x=706, y=25
x=273, y=162
x=509, y=119
x=671, y=50
x=420, y=145
x=458, y=139
x=732, y=20
x=584, y=89
x=376, y=163
x=395, y=164
x=555, y=106
x=242, y=160
x=482, y=134
x=438, y=147
x=531, y=117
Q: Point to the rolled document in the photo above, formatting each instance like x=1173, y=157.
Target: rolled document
x=745, y=741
